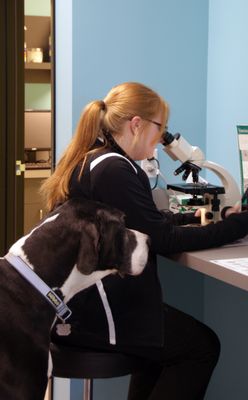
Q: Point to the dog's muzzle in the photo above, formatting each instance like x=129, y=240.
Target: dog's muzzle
x=140, y=253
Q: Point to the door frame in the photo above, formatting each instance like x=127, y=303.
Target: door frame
x=2, y=128
x=12, y=120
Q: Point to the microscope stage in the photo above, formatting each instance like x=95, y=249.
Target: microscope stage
x=197, y=188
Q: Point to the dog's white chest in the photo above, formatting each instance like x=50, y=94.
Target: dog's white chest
x=78, y=281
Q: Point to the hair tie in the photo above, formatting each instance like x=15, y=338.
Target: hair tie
x=103, y=105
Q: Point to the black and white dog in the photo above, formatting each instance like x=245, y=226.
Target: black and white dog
x=78, y=243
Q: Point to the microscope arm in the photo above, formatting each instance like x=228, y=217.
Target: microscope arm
x=232, y=193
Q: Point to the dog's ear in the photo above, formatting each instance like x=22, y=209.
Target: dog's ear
x=88, y=250
x=107, y=215
x=111, y=228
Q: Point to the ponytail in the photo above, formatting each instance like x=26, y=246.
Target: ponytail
x=55, y=188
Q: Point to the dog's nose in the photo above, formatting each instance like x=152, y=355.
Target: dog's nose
x=140, y=253
x=147, y=239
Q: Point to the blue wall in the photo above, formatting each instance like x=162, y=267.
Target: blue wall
x=162, y=44
x=227, y=95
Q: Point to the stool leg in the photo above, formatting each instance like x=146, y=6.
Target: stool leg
x=88, y=389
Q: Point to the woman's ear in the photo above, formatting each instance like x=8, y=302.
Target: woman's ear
x=135, y=124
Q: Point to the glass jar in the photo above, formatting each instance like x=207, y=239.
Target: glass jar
x=35, y=55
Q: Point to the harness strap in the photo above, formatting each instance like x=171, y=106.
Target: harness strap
x=108, y=312
x=62, y=310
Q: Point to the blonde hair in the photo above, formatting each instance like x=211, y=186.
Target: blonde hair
x=122, y=103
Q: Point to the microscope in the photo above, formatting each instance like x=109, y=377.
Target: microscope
x=210, y=197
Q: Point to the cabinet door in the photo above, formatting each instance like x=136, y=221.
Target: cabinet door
x=12, y=121
x=34, y=207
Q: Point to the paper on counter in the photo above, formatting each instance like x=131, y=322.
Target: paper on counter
x=235, y=264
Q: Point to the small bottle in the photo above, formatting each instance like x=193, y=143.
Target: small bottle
x=25, y=45
x=25, y=52
x=50, y=47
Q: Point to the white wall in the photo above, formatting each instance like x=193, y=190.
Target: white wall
x=63, y=112
x=63, y=88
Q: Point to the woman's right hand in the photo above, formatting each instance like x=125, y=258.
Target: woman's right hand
x=236, y=209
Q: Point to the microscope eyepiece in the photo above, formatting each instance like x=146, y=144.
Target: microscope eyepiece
x=168, y=138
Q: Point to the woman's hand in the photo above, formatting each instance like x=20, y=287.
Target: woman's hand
x=233, y=210
x=225, y=212
x=198, y=212
x=236, y=209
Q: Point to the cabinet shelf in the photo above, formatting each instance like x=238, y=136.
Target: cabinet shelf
x=38, y=72
x=42, y=66
x=32, y=173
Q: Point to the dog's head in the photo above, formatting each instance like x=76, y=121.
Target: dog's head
x=86, y=233
x=107, y=244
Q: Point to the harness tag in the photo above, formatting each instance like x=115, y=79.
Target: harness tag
x=63, y=329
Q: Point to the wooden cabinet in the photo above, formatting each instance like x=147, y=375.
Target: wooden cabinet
x=34, y=207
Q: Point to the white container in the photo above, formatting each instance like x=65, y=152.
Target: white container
x=35, y=55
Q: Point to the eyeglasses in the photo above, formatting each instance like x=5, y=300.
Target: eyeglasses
x=153, y=122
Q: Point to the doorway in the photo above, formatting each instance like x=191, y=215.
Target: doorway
x=16, y=95
x=39, y=105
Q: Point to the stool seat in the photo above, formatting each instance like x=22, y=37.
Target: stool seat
x=74, y=362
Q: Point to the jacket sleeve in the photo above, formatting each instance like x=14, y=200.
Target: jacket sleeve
x=116, y=183
x=181, y=218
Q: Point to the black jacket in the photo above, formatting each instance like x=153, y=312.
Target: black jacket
x=136, y=302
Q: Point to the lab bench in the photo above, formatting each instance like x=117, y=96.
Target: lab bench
x=216, y=294
x=206, y=262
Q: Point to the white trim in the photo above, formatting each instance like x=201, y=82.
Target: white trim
x=64, y=75
x=63, y=24
x=111, y=324
x=99, y=159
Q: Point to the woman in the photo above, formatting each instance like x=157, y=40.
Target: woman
x=99, y=164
